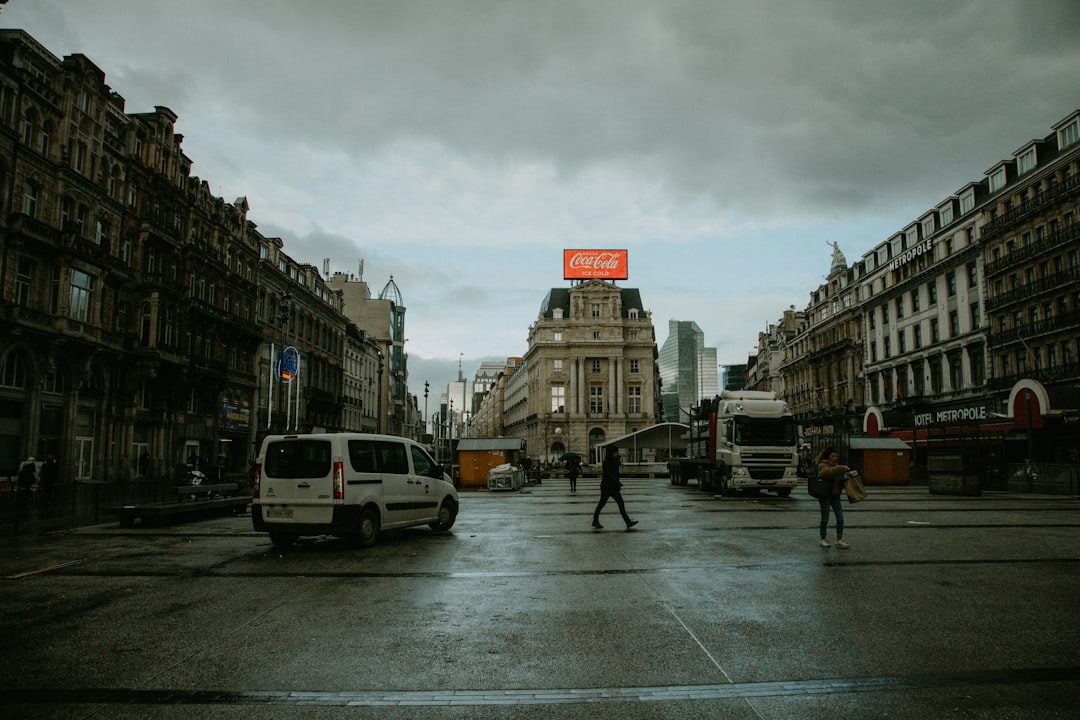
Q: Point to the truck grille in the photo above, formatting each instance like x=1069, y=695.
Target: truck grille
x=766, y=465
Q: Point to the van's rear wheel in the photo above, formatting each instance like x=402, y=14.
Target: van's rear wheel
x=447, y=516
x=367, y=530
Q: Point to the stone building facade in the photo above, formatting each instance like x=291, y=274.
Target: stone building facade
x=591, y=371
x=142, y=319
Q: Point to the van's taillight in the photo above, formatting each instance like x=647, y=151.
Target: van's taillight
x=256, y=481
x=339, y=481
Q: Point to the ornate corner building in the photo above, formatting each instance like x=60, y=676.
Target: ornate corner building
x=590, y=370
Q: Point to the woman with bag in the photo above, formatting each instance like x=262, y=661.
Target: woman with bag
x=829, y=469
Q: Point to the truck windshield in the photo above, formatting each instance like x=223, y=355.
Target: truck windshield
x=765, y=431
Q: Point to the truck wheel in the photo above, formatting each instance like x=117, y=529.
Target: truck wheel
x=725, y=486
x=447, y=516
x=705, y=479
x=783, y=492
x=367, y=530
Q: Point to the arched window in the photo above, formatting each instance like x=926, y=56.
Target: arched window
x=30, y=198
x=29, y=129
x=46, y=137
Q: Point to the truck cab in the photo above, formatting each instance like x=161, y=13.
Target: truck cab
x=756, y=443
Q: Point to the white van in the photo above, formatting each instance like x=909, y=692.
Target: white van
x=352, y=485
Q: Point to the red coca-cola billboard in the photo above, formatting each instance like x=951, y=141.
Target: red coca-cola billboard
x=603, y=264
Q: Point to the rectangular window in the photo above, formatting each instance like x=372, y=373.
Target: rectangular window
x=978, y=362
x=900, y=307
x=596, y=310
x=902, y=341
x=557, y=365
x=950, y=280
x=558, y=399
x=82, y=294
x=973, y=275
x=635, y=366
x=596, y=399
x=954, y=323
x=976, y=319
x=935, y=331
x=956, y=372
x=633, y=403
x=24, y=279
x=931, y=292
x=917, y=331
x=935, y=375
x=596, y=366
x=915, y=300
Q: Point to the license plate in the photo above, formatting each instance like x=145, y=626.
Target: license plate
x=279, y=514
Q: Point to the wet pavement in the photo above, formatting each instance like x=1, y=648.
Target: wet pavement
x=964, y=607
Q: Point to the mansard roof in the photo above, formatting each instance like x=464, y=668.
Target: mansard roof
x=560, y=298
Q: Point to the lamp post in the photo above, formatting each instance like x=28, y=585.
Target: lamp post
x=425, y=407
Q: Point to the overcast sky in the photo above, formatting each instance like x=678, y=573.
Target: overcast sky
x=461, y=146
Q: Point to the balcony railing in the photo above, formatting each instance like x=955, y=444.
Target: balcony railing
x=1043, y=245
x=1028, y=207
x=1024, y=293
x=997, y=338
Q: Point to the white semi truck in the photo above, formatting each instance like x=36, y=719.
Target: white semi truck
x=741, y=440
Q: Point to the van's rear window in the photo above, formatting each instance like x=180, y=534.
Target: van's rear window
x=297, y=459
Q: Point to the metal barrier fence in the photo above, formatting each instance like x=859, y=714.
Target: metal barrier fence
x=1050, y=478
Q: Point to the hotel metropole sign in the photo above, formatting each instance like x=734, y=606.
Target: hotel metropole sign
x=949, y=415
x=923, y=248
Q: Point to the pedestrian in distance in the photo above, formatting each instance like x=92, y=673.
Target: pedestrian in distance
x=611, y=487
x=27, y=482
x=573, y=469
x=830, y=469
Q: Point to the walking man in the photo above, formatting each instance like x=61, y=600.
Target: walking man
x=611, y=487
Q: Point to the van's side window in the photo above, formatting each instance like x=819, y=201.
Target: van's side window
x=362, y=456
x=422, y=462
x=393, y=458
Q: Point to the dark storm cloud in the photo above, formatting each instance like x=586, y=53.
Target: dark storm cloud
x=758, y=105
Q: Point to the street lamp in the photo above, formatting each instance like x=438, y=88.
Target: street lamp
x=425, y=406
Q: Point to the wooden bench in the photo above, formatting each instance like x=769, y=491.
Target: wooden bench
x=208, y=489
x=162, y=512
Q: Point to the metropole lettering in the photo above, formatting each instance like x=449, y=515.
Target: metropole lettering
x=911, y=253
x=951, y=416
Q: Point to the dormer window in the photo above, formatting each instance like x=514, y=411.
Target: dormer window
x=1026, y=162
x=967, y=202
x=557, y=314
x=997, y=179
x=1069, y=134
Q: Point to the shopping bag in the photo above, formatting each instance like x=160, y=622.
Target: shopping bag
x=853, y=487
x=819, y=487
